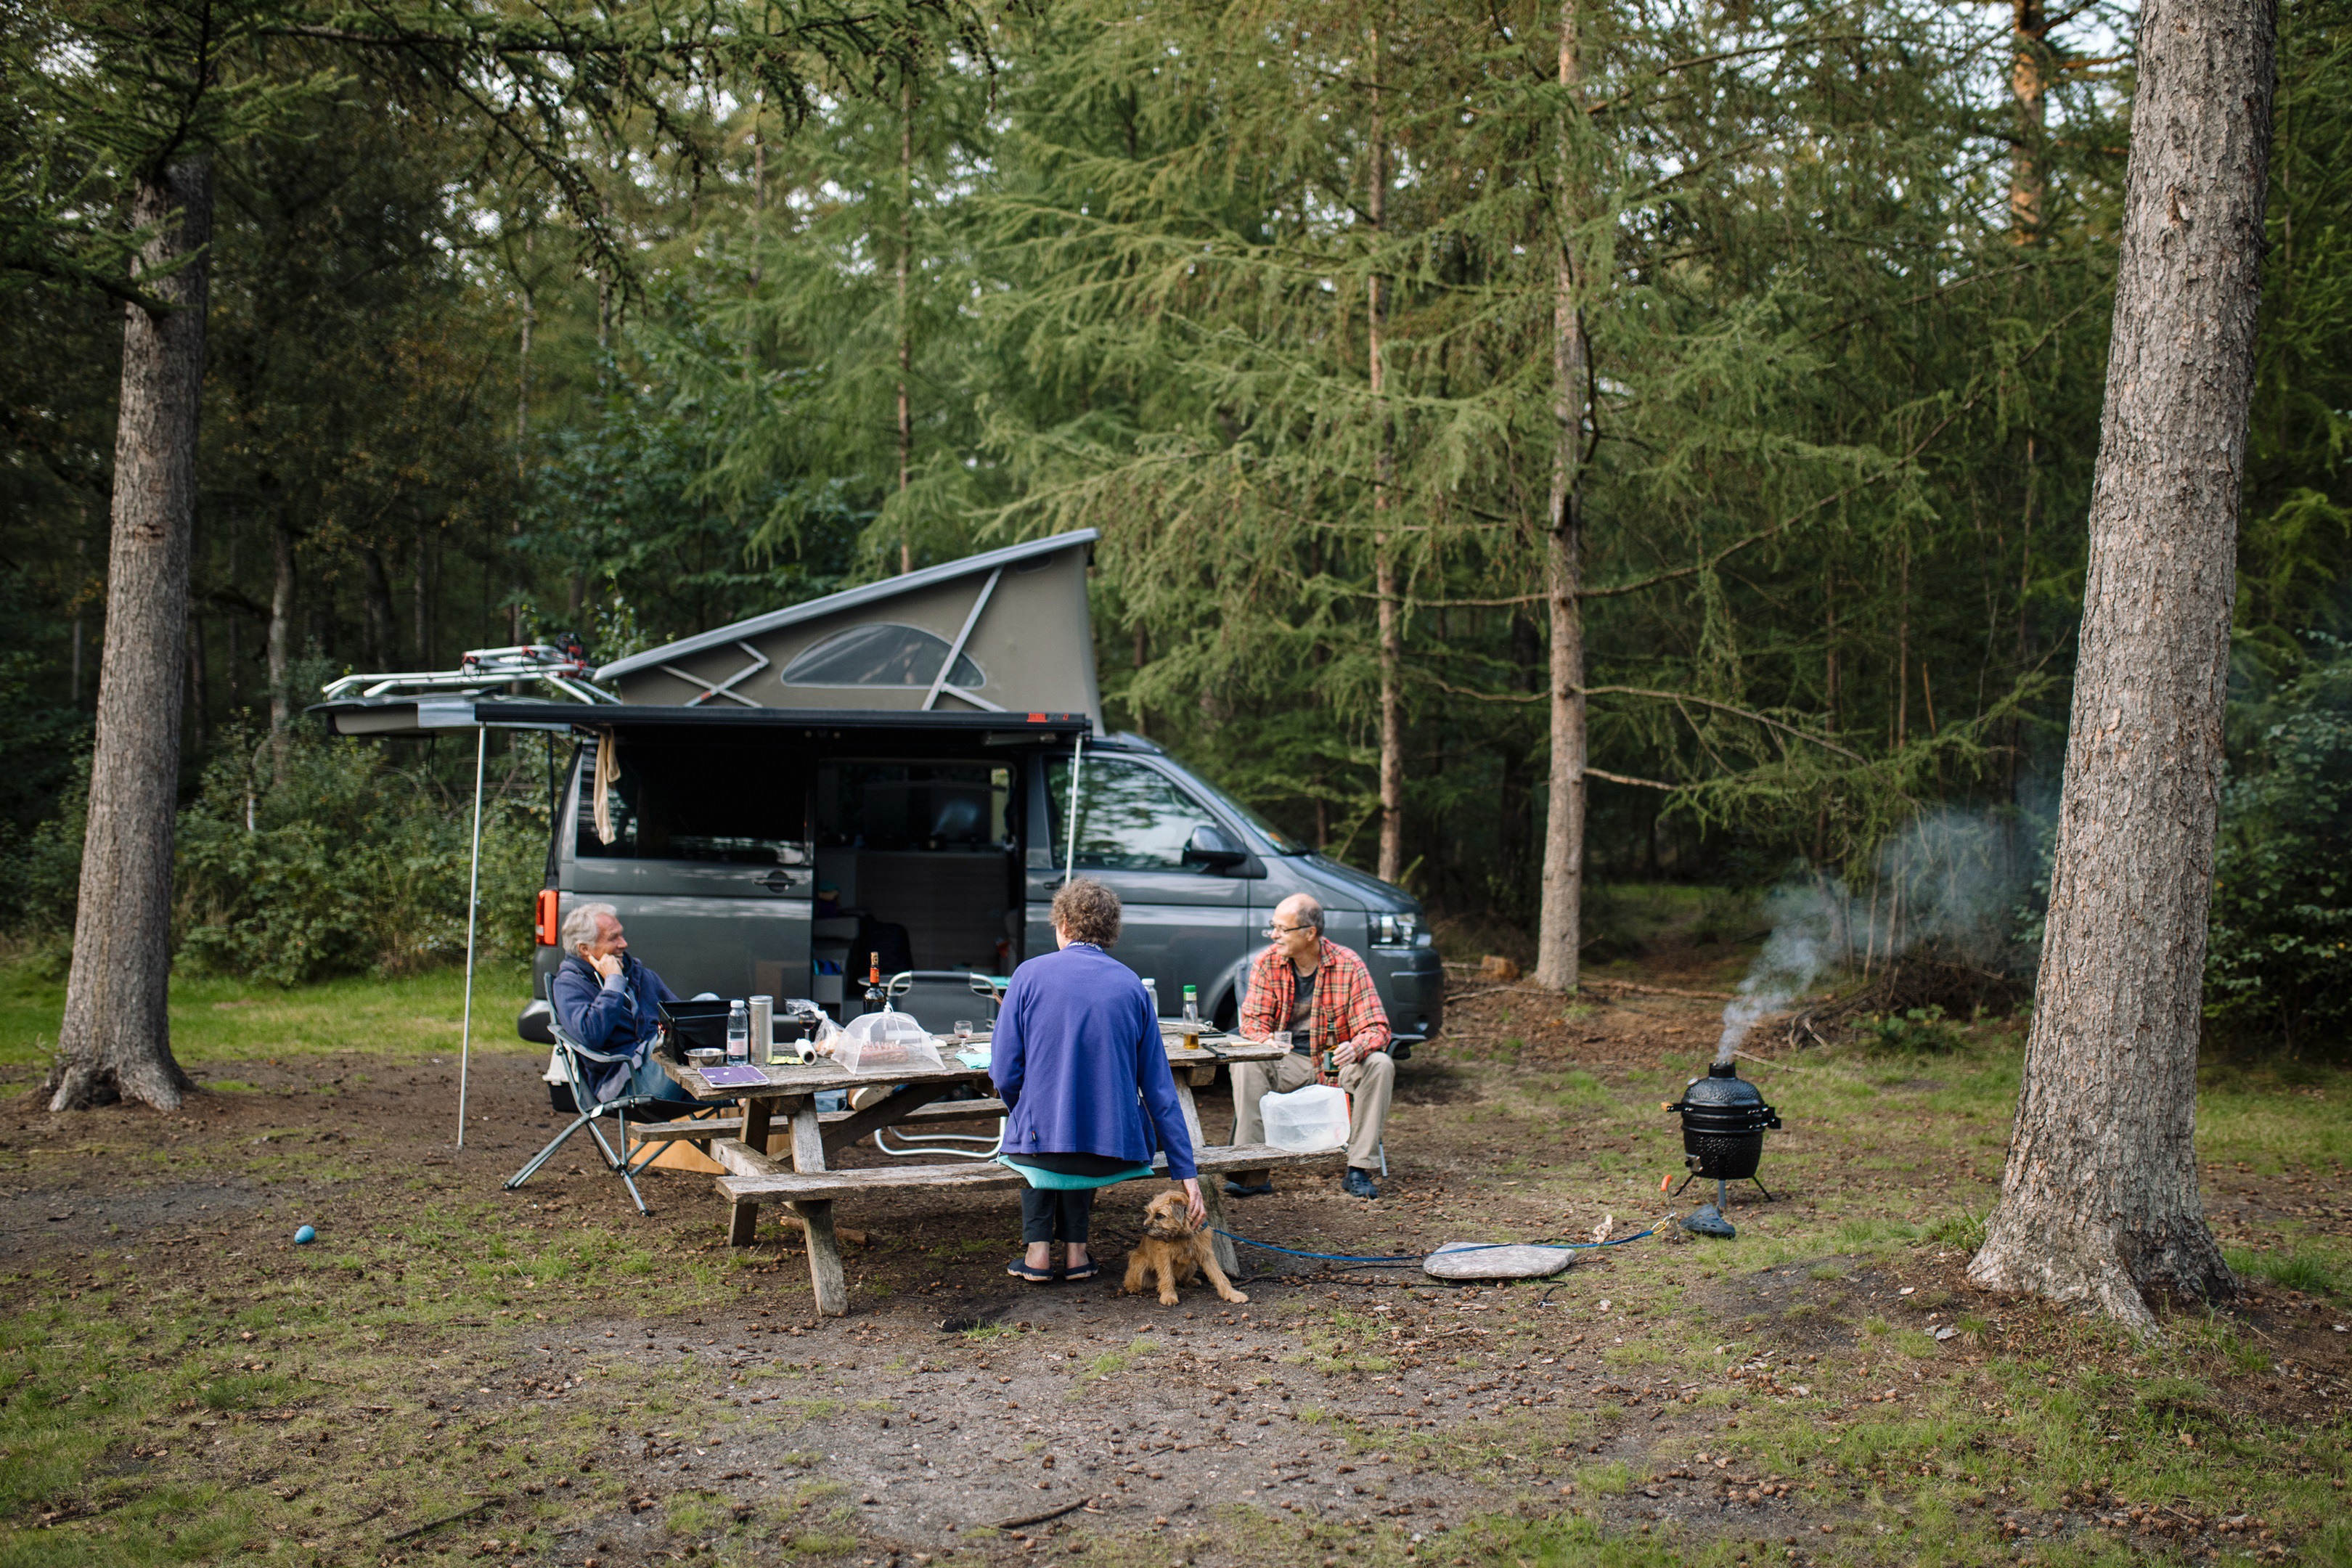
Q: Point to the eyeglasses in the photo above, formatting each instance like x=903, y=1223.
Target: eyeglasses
x=1282, y=930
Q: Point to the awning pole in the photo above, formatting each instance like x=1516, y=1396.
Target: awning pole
x=473, y=908
x=1077, y=764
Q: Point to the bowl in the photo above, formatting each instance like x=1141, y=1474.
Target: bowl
x=702, y=1059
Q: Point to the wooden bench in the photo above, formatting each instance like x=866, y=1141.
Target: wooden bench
x=762, y=1178
x=754, y=1178
x=712, y=1127
x=798, y=1176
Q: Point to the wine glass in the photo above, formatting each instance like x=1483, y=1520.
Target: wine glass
x=962, y=1033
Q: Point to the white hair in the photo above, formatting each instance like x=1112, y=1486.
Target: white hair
x=579, y=925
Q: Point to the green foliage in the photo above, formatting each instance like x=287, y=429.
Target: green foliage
x=2280, y=954
x=1915, y=1031
x=616, y=345
x=2298, y=518
x=349, y=862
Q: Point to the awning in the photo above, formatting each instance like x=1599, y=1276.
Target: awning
x=396, y=716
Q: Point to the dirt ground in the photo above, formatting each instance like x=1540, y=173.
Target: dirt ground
x=577, y=1384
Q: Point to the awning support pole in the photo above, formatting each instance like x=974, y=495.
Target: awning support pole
x=1070, y=839
x=473, y=908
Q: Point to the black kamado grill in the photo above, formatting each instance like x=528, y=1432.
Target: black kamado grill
x=1724, y=1122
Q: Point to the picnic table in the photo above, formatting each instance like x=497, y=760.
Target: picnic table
x=803, y=1182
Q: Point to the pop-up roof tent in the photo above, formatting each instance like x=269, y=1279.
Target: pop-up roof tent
x=1001, y=642
x=1003, y=632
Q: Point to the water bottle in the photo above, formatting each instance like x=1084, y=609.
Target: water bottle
x=1191, y=1004
x=739, y=1034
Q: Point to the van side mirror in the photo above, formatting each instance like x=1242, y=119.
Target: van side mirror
x=1213, y=846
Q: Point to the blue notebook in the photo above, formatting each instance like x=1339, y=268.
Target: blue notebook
x=735, y=1078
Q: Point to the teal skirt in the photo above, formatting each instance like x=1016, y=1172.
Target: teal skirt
x=1045, y=1181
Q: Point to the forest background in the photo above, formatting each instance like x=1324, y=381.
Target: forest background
x=1270, y=294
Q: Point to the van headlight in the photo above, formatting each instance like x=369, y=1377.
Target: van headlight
x=1398, y=930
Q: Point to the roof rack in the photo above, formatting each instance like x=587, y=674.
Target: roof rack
x=562, y=666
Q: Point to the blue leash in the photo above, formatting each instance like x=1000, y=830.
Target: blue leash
x=1413, y=1260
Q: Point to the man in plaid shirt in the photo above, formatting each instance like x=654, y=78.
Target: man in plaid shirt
x=1323, y=994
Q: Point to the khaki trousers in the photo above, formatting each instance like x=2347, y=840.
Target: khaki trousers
x=1370, y=1084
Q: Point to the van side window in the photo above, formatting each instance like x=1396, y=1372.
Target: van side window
x=883, y=654
x=1131, y=817
x=734, y=804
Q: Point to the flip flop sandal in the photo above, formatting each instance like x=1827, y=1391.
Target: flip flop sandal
x=1020, y=1269
x=1089, y=1269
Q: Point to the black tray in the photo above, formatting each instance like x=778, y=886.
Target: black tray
x=693, y=1025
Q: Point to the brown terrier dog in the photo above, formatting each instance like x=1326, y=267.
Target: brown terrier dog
x=1172, y=1249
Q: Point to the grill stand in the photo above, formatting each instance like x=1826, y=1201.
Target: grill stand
x=1708, y=1219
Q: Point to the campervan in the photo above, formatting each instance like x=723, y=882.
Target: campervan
x=900, y=775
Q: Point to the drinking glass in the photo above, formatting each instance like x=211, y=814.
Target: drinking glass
x=962, y=1032
x=1279, y=1037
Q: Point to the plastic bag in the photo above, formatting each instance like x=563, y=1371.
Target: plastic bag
x=1305, y=1121
x=885, y=1040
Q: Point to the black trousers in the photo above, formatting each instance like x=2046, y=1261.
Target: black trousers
x=1057, y=1215
x=1061, y=1216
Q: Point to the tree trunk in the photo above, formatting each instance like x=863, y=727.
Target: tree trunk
x=1560, y=921
x=81, y=552
x=198, y=696
x=281, y=628
x=2027, y=81
x=1384, y=571
x=382, y=647
x=1143, y=658
x=116, y=1038
x=2099, y=1199
x=423, y=594
x=522, y=464
x=906, y=326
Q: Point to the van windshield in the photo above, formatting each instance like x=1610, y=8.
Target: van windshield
x=674, y=800
x=1133, y=817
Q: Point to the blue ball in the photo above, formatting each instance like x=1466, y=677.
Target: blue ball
x=305, y=1237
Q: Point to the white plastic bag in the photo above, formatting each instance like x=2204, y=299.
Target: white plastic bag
x=1305, y=1121
x=879, y=1041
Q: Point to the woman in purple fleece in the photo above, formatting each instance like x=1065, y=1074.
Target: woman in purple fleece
x=1078, y=1060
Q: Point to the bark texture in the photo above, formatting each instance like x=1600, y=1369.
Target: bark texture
x=116, y=1038
x=1559, y=926
x=2099, y=1200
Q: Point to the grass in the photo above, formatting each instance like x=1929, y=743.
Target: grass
x=218, y=1020
x=366, y=1350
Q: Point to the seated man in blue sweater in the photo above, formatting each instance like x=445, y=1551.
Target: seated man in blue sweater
x=1078, y=1058
x=610, y=1002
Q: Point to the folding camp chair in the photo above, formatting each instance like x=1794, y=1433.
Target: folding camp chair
x=935, y=999
x=576, y=1058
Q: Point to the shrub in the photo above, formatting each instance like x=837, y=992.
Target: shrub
x=352, y=857
x=2280, y=954
x=343, y=859
x=1917, y=1031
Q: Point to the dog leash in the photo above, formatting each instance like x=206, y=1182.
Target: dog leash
x=1404, y=1260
